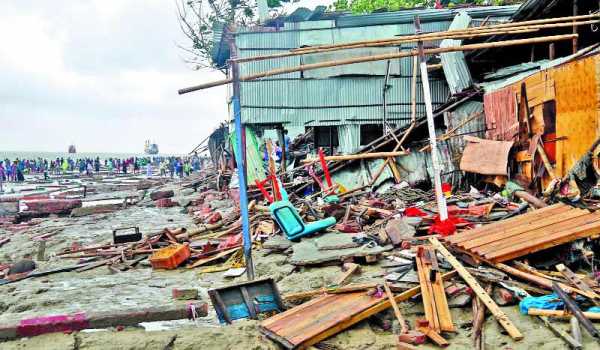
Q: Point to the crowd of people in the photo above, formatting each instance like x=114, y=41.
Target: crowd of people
x=15, y=170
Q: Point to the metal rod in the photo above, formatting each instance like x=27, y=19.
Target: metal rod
x=239, y=155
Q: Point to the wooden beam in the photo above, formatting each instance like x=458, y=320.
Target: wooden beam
x=390, y=295
x=546, y=283
x=358, y=156
x=595, y=316
x=576, y=311
x=576, y=281
x=479, y=291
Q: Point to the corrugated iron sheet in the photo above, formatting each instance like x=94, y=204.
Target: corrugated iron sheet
x=466, y=119
x=332, y=101
x=454, y=64
x=427, y=15
x=501, y=114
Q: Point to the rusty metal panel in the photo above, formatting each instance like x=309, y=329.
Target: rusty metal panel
x=501, y=114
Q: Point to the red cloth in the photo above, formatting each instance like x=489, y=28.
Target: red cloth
x=412, y=211
x=446, y=227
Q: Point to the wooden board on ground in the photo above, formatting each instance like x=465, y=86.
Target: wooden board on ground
x=327, y=315
x=525, y=234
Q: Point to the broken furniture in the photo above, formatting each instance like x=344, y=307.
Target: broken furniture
x=525, y=234
x=246, y=300
x=290, y=221
x=126, y=237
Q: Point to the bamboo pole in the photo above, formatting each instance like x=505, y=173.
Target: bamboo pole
x=388, y=56
x=434, y=36
x=359, y=156
x=561, y=314
x=390, y=42
x=496, y=26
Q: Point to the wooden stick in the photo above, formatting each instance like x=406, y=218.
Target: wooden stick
x=433, y=336
x=503, y=25
x=389, y=42
x=479, y=291
x=595, y=316
x=389, y=56
x=351, y=268
x=576, y=281
x=576, y=311
x=390, y=295
x=359, y=156
x=544, y=282
x=573, y=344
x=433, y=36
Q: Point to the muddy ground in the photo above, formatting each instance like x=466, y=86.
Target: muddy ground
x=102, y=290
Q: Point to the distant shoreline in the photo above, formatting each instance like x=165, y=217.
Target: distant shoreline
x=53, y=155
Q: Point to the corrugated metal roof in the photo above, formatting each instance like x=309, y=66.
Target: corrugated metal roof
x=454, y=64
x=426, y=15
x=522, y=71
x=332, y=101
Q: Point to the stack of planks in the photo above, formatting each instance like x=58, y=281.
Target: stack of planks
x=432, y=290
x=525, y=234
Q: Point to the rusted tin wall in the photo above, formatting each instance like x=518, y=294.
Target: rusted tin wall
x=565, y=106
x=501, y=114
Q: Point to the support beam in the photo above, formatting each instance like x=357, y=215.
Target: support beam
x=240, y=160
x=439, y=194
x=479, y=291
x=382, y=57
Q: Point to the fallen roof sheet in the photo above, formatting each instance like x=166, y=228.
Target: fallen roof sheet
x=454, y=64
x=528, y=233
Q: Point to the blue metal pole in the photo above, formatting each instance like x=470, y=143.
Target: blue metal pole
x=240, y=157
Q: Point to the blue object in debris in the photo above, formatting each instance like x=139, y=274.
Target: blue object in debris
x=291, y=223
x=545, y=302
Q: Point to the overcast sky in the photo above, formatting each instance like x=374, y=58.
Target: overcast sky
x=102, y=74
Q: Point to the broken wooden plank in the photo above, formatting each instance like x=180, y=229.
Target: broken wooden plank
x=576, y=311
x=479, y=291
x=390, y=295
x=594, y=316
x=435, y=303
x=351, y=268
x=342, y=310
x=573, y=278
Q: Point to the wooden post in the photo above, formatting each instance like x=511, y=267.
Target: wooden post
x=551, y=51
x=575, y=10
x=440, y=199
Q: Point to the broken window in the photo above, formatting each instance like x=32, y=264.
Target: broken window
x=370, y=133
x=326, y=137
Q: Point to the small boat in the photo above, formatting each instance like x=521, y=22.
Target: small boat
x=72, y=149
x=150, y=148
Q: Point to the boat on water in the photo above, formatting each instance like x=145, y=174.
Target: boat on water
x=72, y=149
x=150, y=148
